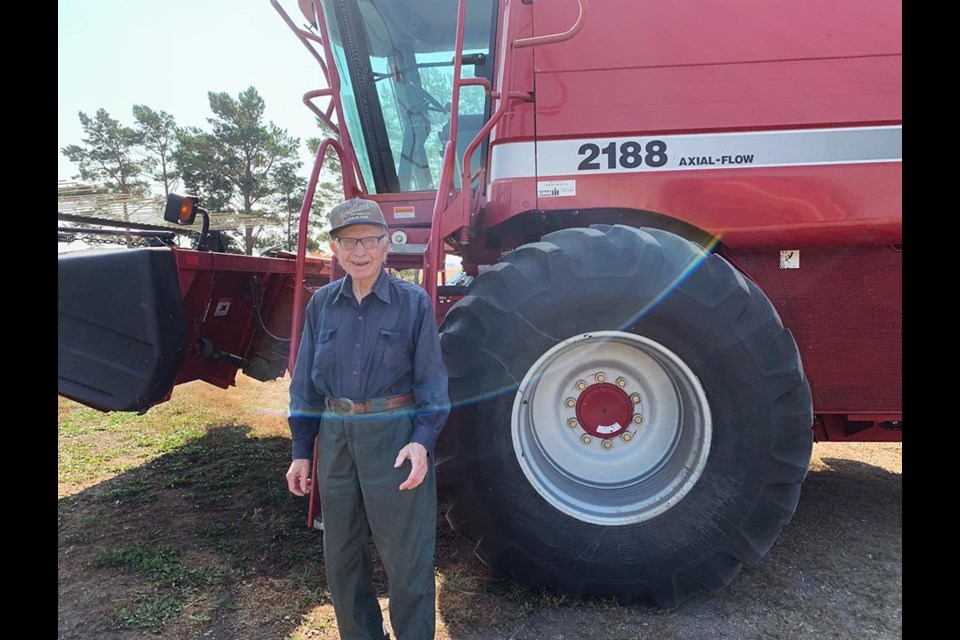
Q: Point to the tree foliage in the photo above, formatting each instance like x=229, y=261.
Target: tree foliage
x=238, y=164
x=291, y=192
x=107, y=155
x=197, y=160
x=157, y=134
x=287, y=200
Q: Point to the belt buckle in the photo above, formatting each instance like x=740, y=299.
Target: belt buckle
x=343, y=406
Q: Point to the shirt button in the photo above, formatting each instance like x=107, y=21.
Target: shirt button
x=356, y=373
x=359, y=317
x=357, y=345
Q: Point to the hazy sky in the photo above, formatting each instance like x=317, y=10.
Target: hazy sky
x=168, y=54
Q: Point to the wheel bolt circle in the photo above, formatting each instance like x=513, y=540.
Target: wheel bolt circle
x=603, y=410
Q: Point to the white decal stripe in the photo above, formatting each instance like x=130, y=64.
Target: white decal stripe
x=634, y=154
x=513, y=160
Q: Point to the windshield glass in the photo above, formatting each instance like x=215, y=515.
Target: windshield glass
x=395, y=61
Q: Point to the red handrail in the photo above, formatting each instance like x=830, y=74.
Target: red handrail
x=353, y=184
x=556, y=37
x=349, y=188
x=324, y=116
x=431, y=257
x=445, y=190
x=303, y=36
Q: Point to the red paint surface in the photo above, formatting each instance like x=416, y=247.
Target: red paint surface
x=604, y=405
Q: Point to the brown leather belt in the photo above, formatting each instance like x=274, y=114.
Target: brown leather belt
x=347, y=407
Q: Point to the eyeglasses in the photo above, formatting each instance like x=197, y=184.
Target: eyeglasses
x=370, y=242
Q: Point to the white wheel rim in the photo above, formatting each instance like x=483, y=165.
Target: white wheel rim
x=618, y=474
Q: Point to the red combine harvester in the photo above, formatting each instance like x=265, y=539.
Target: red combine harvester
x=680, y=225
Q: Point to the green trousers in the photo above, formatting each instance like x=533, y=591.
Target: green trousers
x=359, y=496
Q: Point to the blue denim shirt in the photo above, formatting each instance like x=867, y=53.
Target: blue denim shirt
x=386, y=345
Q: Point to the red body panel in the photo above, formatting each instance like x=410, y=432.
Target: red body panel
x=218, y=299
x=744, y=66
x=673, y=66
x=844, y=308
x=772, y=207
x=749, y=66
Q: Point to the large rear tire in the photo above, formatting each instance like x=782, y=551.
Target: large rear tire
x=634, y=418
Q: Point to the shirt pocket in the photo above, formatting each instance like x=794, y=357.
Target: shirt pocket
x=324, y=353
x=395, y=359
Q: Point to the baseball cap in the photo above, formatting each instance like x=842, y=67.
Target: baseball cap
x=355, y=211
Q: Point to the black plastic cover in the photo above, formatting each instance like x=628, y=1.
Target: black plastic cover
x=121, y=327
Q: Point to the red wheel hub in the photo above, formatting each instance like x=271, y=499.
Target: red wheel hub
x=604, y=410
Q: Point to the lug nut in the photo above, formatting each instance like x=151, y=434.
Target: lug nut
x=601, y=377
x=606, y=444
x=581, y=384
x=627, y=436
x=621, y=382
x=571, y=402
x=572, y=423
x=585, y=439
x=637, y=418
x=635, y=398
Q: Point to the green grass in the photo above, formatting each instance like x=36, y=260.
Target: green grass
x=114, y=443
x=172, y=585
x=161, y=564
x=135, y=477
x=150, y=612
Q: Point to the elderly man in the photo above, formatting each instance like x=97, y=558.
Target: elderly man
x=370, y=381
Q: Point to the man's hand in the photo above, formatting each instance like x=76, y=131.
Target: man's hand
x=416, y=453
x=298, y=480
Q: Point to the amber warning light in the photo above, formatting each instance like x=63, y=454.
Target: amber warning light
x=181, y=209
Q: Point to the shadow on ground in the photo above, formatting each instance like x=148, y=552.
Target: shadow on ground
x=205, y=537
x=205, y=542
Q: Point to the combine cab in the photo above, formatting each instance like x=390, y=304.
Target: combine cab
x=681, y=231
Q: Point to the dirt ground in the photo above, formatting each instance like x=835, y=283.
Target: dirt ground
x=835, y=572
